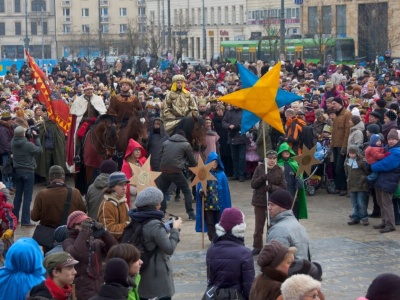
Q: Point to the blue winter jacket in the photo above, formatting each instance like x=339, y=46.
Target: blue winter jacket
x=389, y=170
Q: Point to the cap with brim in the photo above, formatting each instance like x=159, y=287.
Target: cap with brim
x=271, y=153
x=58, y=260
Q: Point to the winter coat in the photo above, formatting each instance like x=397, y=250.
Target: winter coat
x=230, y=264
x=341, y=128
x=356, y=176
x=267, y=285
x=225, y=149
x=113, y=214
x=6, y=135
x=276, y=181
x=41, y=292
x=389, y=170
x=154, y=146
x=95, y=194
x=356, y=136
x=294, y=134
x=24, y=153
x=111, y=291
x=48, y=207
x=174, y=153
x=212, y=142
x=157, y=279
x=286, y=229
x=89, y=252
x=234, y=117
x=374, y=154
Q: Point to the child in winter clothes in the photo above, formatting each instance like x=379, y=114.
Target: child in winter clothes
x=252, y=157
x=8, y=223
x=356, y=172
x=374, y=152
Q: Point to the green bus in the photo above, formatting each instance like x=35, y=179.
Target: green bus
x=340, y=49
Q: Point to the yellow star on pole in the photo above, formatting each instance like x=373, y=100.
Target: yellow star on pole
x=143, y=177
x=260, y=98
x=202, y=173
x=306, y=160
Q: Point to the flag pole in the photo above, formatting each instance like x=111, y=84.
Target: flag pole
x=266, y=169
x=202, y=221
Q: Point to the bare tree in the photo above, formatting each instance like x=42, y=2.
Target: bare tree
x=270, y=33
x=181, y=30
x=154, y=39
x=88, y=42
x=135, y=39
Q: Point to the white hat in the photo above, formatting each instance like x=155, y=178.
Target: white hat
x=297, y=286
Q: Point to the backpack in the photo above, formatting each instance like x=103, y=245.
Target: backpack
x=133, y=235
x=308, y=137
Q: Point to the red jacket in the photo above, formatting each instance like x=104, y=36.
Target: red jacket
x=8, y=219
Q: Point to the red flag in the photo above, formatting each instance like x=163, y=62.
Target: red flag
x=57, y=109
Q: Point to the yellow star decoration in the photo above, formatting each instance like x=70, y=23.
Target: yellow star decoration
x=143, y=177
x=202, y=173
x=260, y=98
x=306, y=160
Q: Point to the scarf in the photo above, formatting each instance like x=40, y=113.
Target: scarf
x=292, y=163
x=143, y=214
x=56, y=291
x=352, y=162
x=115, y=199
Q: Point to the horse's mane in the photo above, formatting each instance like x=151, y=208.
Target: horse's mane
x=105, y=117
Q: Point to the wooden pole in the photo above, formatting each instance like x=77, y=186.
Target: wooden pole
x=294, y=198
x=202, y=221
x=266, y=169
x=73, y=292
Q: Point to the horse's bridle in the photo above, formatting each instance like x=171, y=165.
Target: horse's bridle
x=103, y=145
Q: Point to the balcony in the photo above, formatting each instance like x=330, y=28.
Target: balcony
x=66, y=20
x=104, y=19
x=38, y=13
x=104, y=3
x=141, y=3
x=66, y=3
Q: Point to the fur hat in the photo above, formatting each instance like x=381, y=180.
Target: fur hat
x=108, y=166
x=273, y=253
x=297, y=286
x=150, y=196
x=56, y=172
x=116, y=271
x=282, y=198
x=303, y=266
x=76, y=217
x=126, y=80
x=178, y=78
x=385, y=286
x=393, y=135
x=373, y=128
x=357, y=88
x=391, y=114
x=232, y=221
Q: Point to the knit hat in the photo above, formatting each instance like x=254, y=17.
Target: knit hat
x=375, y=114
x=150, y=196
x=60, y=234
x=56, y=172
x=58, y=260
x=355, y=119
x=232, y=221
x=373, y=128
x=117, y=178
x=338, y=100
x=76, y=217
x=303, y=266
x=282, y=198
x=297, y=286
x=385, y=286
x=19, y=131
x=116, y=271
x=381, y=103
x=273, y=253
x=374, y=139
x=394, y=106
x=393, y=135
x=108, y=166
x=391, y=115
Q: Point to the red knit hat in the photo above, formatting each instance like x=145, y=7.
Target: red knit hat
x=76, y=217
x=230, y=218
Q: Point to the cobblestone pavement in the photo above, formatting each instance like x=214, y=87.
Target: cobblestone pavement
x=351, y=256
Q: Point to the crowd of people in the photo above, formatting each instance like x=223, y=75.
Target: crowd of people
x=350, y=113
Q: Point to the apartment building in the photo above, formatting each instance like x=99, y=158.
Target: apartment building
x=27, y=23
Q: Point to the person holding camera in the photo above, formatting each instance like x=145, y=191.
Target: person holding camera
x=88, y=242
x=157, y=278
x=24, y=165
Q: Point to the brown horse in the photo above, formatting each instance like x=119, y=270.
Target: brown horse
x=99, y=145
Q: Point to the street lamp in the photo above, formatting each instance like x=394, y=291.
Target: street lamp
x=26, y=39
x=282, y=28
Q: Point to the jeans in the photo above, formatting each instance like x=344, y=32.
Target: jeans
x=24, y=181
x=239, y=160
x=7, y=180
x=164, y=182
x=359, y=205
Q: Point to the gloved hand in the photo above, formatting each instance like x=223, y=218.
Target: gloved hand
x=35, y=134
x=87, y=224
x=267, y=188
x=343, y=151
x=299, y=183
x=267, y=176
x=97, y=225
x=8, y=234
x=201, y=193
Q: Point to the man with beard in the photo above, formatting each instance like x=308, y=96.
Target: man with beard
x=179, y=103
x=123, y=105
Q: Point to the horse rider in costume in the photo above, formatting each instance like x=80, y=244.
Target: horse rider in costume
x=179, y=103
x=123, y=105
x=84, y=110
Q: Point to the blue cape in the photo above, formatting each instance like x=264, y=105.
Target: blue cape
x=224, y=195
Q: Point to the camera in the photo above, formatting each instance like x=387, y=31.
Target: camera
x=170, y=222
x=29, y=134
x=97, y=233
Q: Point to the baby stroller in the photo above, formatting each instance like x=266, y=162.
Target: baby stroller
x=321, y=175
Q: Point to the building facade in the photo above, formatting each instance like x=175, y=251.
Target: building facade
x=27, y=23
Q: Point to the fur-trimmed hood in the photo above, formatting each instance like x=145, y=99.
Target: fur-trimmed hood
x=237, y=230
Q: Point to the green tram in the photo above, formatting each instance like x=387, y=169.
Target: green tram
x=340, y=49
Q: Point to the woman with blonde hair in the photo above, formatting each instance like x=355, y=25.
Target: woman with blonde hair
x=301, y=287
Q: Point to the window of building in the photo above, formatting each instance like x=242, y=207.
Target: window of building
x=326, y=19
x=187, y=19
x=312, y=20
x=141, y=11
x=123, y=28
x=104, y=11
x=193, y=17
x=104, y=28
x=17, y=6
x=199, y=20
x=241, y=14
x=38, y=5
x=205, y=16
x=341, y=19
x=85, y=12
x=212, y=17
x=67, y=28
x=123, y=12
x=2, y=7
x=34, y=28
x=226, y=19
x=2, y=28
x=18, y=28
x=44, y=28
x=85, y=28
x=233, y=14
x=66, y=12
x=219, y=16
